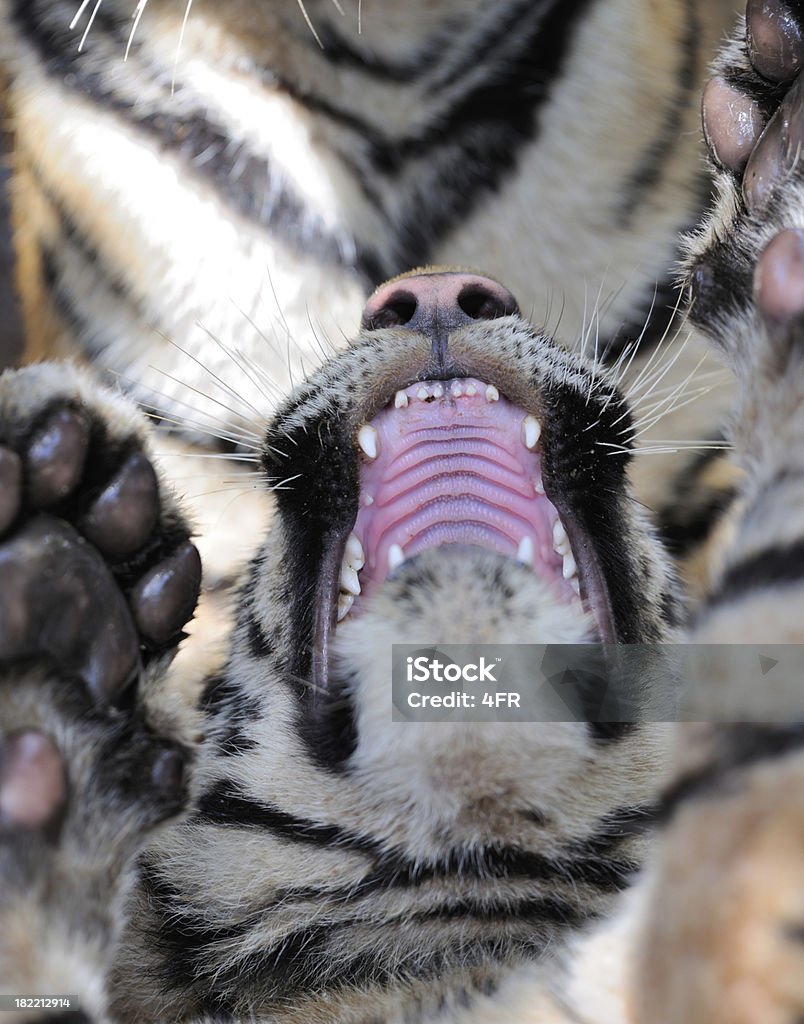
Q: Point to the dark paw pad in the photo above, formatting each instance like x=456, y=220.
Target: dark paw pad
x=779, y=150
x=55, y=457
x=95, y=576
x=775, y=38
x=59, y=602
x=33, y=782
x=165, y=597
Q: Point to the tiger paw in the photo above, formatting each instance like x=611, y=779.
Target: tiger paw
x=753, y=123
x=97, y=579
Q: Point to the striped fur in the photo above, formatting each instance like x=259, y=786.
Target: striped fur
x=333, y=866
x=253, y=186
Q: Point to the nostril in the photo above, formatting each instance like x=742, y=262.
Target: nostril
x=478, y=303
x=396, y=311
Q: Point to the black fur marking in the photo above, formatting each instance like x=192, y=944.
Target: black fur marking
x=590, y=862
x=183, y=939
x=587, y=485
x=696, y=508
x=769, y=568
x=225, y=805
x=230, y=709
x=644, y=178
x=316, y=517
x=11, y=327
x=736, y=748
x=243, y=180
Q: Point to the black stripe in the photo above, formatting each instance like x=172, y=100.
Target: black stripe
x=225, y=805
x=11, y=326
x=648, y=171
x=588, y=861
x=305, y=961
x=244, y=181
x=767, y=569
x=482, y=135
x=736, y=747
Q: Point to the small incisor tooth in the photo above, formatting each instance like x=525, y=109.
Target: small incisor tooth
x=396, y=556
x=492, y=394
x=531, y=432
x=401, y=400
x=524, y=553
x=422, y=394
x=570, y=569
x=345, y=602
x=369, y=441
x=349, y=581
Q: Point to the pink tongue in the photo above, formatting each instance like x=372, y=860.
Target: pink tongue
x=452, y=470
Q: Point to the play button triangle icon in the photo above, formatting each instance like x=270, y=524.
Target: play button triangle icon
x=766, y=664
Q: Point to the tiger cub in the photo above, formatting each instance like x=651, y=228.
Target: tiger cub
x=445, y=478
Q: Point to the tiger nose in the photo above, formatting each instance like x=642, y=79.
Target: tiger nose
x=437, y=303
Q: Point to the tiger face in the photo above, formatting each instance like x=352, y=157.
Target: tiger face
x=448, y=478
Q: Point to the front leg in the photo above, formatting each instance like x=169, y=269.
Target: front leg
x=97, y=578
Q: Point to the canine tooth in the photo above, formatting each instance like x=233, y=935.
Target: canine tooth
x=396, y=556
x=368, y=440
x=570, y=568
x=345, y=602
x=422, y=394
x=576, y=586
x=349, y=582
x=560, y=539
x=354, y=554
x=492, y=394
x=531, y=432
x=524, y=553
x=400, y=400
x=471, y=390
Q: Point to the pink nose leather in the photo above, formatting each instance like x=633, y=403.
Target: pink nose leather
x=435, y=304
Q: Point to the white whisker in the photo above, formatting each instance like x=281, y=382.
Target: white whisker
x=187, y=10
x=138, y=12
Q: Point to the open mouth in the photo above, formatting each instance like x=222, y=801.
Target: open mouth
x=455, y=462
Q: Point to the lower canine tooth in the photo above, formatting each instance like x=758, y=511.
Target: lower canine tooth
x=570, y=568
x=345, y=602
x=531, y=432
x=524, y=553
x=368, y=440
x=401, y=400
x=492, y=394
x=576, y=586
x=396, y=556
